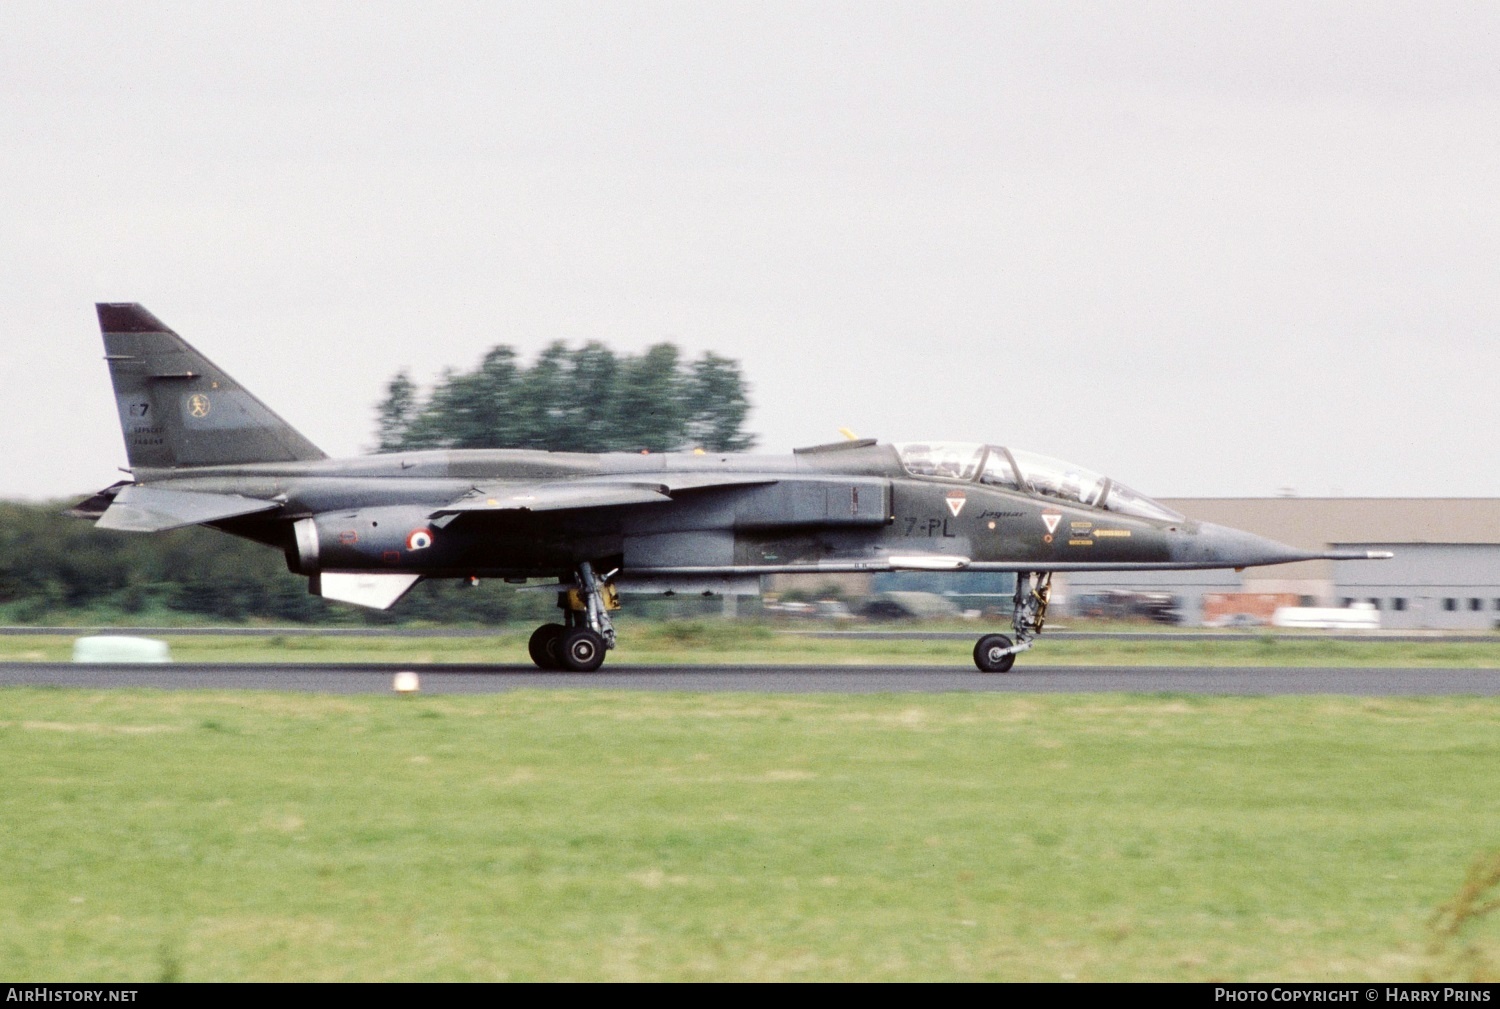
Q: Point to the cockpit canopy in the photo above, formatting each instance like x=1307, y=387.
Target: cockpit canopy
x=1029, y=473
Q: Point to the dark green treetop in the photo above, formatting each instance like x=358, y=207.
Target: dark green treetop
x=584, y=400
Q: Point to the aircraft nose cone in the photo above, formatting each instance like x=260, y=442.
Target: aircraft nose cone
x=1223, y=546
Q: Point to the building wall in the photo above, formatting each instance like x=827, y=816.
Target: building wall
x=1440, y=586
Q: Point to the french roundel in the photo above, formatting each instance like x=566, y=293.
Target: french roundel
x=419, y=539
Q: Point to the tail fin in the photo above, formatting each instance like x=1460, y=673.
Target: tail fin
x=178, y=408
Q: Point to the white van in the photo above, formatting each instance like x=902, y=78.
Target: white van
x=1358, y=617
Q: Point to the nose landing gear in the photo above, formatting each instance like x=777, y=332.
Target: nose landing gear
x=996, y=653
x=578, y=644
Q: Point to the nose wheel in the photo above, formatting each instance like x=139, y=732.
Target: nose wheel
x=996, y=653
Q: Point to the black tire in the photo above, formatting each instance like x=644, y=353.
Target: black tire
x=582, y=650
x=545, y=646
x=987, y=654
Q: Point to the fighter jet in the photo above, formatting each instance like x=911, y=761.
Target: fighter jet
x=204, y=451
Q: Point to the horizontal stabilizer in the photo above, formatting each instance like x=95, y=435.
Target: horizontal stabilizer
x=140, y=509
x=98, y=504
x=378, y=590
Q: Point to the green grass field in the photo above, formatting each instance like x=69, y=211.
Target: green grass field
x=592, y=835
x=714, y=642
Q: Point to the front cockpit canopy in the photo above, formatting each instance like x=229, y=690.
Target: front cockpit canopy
x=1029, y=473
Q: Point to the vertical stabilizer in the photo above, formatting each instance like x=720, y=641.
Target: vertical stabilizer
x=177, y=408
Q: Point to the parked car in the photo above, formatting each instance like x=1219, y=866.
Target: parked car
x=910, y=606
x=1124, y=604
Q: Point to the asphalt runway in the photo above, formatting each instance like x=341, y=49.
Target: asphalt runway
x=455, y=679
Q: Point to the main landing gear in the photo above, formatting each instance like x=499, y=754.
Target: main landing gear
x=996, y=653
x=579, y=643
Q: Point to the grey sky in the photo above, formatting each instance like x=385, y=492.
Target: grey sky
x=1206, y=248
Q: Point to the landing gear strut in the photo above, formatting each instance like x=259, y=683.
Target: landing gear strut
x=579, y=643
x=996, y=653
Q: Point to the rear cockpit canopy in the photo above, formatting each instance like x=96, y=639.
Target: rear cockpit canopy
x=1028, y=473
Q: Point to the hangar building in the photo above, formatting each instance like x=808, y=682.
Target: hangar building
x=1445, y=575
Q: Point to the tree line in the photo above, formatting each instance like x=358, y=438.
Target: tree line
x=588, y=399
x=57, y=568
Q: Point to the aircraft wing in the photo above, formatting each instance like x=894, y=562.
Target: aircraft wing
x=675, y=482
x=551, y=497
x=570, y=495
x=140, y=509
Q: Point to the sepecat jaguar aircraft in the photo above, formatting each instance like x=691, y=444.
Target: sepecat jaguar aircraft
x=204, y=451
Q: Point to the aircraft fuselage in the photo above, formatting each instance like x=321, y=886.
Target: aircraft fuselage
x=833, y=509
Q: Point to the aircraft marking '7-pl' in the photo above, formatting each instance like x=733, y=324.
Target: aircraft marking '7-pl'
x=204, y=451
